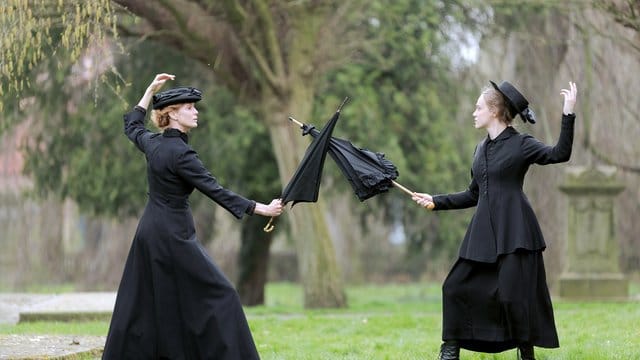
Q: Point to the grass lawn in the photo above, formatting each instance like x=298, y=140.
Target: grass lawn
x=400, y=322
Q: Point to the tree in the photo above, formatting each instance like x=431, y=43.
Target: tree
x=59, y=162
x=37, y=30
x=406, y=93
x=268, y=53
x=588, y=42
x=273, y=56
x=624, y=12
x=627, y=14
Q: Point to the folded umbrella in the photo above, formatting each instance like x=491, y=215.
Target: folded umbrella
x=304, y=185
x=368, y=172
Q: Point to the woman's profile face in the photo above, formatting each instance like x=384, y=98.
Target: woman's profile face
x=185, y=117
x=482, y=115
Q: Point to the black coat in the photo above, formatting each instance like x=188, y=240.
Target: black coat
x=173, y=302
x=504, y=220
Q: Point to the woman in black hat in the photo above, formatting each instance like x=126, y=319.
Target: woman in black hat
x=495, y=297
x=173, y=302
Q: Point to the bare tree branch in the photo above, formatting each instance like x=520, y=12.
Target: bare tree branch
x=235, y=12
x=236, y=16
x=626, y=13
x=273, y=45
x=271, y=78
x=206, y=38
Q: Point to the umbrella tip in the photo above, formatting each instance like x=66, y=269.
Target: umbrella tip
x=343, y=102
x=295, y=121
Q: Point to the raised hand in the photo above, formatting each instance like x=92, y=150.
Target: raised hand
x=159, y=80
x=570, y=95
x=155, y=85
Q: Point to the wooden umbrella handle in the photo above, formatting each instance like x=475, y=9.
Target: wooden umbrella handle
x=410, y=193
x=269, y=227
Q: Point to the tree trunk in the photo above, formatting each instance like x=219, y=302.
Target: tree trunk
x=317, y=264
x=319, y=273
x=253, y=260
x=318, y=267
x=276, y=66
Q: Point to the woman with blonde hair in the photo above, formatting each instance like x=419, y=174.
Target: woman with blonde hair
x=496, y=297
x=173, y=302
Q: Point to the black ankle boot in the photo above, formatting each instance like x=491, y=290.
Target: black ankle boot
x=449, y=350
x=525, y=352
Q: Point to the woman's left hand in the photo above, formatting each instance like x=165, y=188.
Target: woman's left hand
x=570, y=95
x=275, y=208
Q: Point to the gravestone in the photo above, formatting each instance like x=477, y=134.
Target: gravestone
x=591, y=264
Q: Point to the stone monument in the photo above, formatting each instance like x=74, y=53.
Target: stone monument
x=591, y=265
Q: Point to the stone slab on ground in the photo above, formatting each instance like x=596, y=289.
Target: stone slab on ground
x=58, y=347
x=12, y=303
x=71, y=307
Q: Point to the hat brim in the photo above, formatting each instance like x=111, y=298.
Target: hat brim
x=526, y=114
x=175, y=101
x=510, y=105
x=179, y=95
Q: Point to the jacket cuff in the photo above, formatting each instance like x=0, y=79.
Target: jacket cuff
x=251, y=208
x=568, y=120
x=141, y=109
x=437, y=204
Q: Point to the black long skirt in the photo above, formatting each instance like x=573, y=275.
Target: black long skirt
x=493, y=307
x=173, y=301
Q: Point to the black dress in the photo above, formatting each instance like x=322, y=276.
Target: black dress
x=496, y=295
x=173, y=302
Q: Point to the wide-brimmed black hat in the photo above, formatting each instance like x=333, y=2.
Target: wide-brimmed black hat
x=179, y=95
x=516, y=102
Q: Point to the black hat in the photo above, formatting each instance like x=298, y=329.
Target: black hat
x=179, y=95
x=516, y=102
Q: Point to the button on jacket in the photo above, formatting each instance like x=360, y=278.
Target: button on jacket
x=504, y=220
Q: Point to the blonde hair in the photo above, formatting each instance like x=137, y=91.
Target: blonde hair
x=496, y=101
x=160, y=117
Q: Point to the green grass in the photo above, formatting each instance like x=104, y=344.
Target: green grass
x=400, y=322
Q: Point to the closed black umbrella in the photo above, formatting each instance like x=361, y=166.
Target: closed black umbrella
x=304, y=185
x=368, y=172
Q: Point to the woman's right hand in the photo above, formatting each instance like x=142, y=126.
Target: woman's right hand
x=423, y=199
x=158, y=81
x=155, y=85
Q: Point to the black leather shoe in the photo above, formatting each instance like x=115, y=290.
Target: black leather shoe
x=449, y=350
x=525, y=352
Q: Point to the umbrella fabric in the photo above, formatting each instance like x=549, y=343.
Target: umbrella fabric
x=305, y=182
x=368, y=172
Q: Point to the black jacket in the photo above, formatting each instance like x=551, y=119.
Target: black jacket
x=173, y=301
x=504, y=220
x=174, y=169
